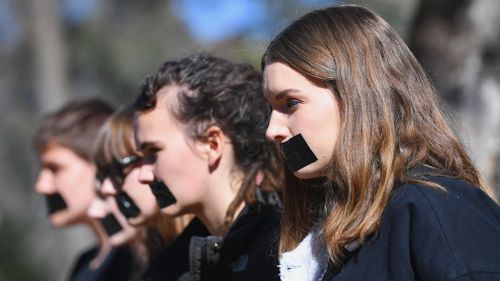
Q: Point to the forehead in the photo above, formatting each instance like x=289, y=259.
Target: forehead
x=62, y=157
x=161, y=120
x=56, y=152
x=278, y=75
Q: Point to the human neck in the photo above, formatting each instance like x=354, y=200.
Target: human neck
x=214, y=210
x=103, y=243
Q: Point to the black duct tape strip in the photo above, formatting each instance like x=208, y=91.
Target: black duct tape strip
x=55, y=203
x=297, y=153
x=163, y=196
x=111, y=225
x=126, y=205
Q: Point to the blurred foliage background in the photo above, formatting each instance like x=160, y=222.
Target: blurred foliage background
x=55, y=50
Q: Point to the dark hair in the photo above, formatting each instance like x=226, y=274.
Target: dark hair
x=391, y=123
x=214, y=91
x=74, y=126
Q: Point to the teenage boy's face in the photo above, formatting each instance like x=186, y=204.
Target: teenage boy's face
x=64, y=172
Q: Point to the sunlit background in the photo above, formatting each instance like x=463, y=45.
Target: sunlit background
x=52, y=51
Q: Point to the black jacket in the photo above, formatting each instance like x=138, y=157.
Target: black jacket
x=173, y=261
x=247, y=252
x=430, y=235
x=117, y=266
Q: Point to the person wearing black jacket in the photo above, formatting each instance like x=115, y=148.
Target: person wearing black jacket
x=428, y=234
x=388, y=192
x=232, y=257
x=201, y=128
x=173, y=261
x=116, y=265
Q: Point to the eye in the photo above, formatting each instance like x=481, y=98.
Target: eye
x=291, y=102
x=127, y=168
x=150, y=154
x=53, y=168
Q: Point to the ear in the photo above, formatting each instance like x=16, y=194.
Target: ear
x=211, y=144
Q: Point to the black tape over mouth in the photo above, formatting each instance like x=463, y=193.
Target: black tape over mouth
x=55, y=203
x=111, y=225
x=297, y=153
x=162, y=193
x=127, y=205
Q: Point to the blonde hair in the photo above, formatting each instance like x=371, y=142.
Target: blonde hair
x=391, y=123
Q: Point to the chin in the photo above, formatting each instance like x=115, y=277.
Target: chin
x=60, y=219
x=307, y=173
x=137, y=221
x=173, y=211
x=119, y=239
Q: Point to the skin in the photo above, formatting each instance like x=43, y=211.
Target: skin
x=142, y=196
x=304, y=106
x=105, y=204
x=199, y=173
x=65, y=172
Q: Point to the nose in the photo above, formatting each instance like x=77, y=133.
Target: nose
x=277, y=129
x=45, y=183
x=107, y=188
x=146, y=175
x=97, y=208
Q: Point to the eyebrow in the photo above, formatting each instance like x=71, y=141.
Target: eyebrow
x=148, y=145
x=284, y=93
x=49, y=163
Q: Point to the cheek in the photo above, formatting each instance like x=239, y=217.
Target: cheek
x=78, y=188
x=140, y=193
x=320, y=128
x=183, y=171
x=179, y=171
x=188, y=186
x=113, y=209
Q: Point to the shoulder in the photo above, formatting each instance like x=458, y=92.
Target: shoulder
x=450, y=232
x=176, y=253
x=260, y=220
x=457, y=196
x=117, y=266
x=120, y=260
x=265, y=211
x=250, y=247
x=83, y=261
x=256, y=220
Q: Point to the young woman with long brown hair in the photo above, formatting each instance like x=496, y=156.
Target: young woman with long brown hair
x=388, y=191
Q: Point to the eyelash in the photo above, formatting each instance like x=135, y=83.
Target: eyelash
x=292, y=102
x=151, y=154
x=53, y=169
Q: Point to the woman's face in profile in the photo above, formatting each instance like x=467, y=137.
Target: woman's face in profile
x=105, y=204
x=303, y=106
x=141, y=194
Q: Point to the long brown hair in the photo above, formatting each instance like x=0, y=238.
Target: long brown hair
x=391, y=123
x=115, y=141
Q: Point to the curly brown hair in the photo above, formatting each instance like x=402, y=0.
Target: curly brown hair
x=228, y=95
